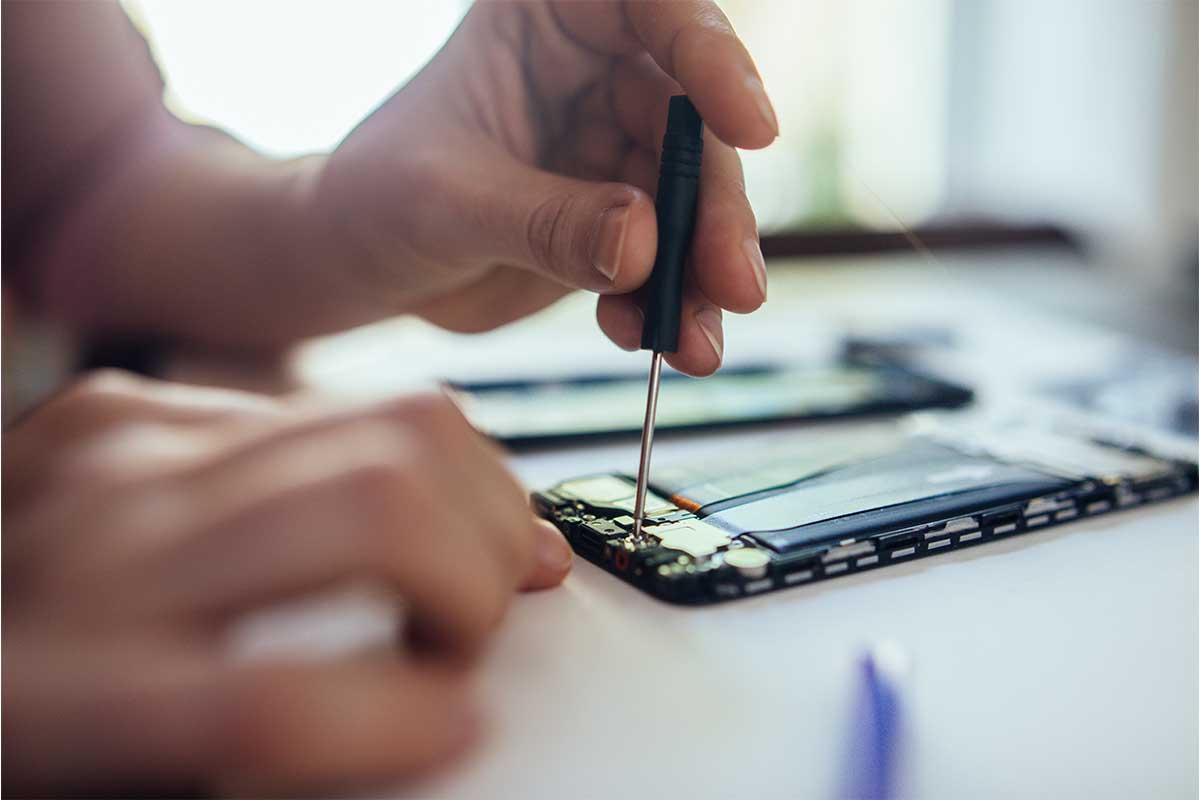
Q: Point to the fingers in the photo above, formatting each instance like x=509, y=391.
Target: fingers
x=640, y=168
x=641, y=95
x=93, y=717
x=389, y=518
x=595, y=236
x=726, y=260
x=701, y=336
x=111, y=427
x=104, y=399
x=406, y=494
x=692, y=42
x=725, y=256
x=159, y=717
x=621, y=319
x=333, y=726
x=553, y=557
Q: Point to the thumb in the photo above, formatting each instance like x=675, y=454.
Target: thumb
x=595, y=236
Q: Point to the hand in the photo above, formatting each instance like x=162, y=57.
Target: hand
x=142, y=519
x=521, y=161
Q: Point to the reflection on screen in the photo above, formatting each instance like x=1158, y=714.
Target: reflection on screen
x=617, y=404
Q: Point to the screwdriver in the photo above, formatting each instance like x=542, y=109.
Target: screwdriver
x=675, y=208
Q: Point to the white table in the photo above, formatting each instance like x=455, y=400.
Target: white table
x=1058, y=664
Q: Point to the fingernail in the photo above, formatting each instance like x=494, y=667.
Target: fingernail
x=755, y=85
x=608, y=240
x=757, y=265
x=709, y=319
x=553, y=552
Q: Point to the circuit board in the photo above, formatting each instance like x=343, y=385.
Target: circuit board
x=720, y=531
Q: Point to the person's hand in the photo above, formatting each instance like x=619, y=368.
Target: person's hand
x=521, y=163
x=142, y=519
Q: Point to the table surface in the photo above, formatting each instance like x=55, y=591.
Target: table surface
x=1061, y=663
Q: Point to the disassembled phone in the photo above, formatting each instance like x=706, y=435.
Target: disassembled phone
x=722, y=530
x=521, y=413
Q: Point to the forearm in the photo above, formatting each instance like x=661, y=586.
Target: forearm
x=191, y=235
x=118, y=216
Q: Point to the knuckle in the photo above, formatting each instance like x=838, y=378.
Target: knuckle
x=432, y=405
x=432, y=413
x=376, y=480
x=376, y=488
x=548, y=232
x=97, y=403
x=131, y=450
x=88, y=469
x=102, y=385
x=398, y=505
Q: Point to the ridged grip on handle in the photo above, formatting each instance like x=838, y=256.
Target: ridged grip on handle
x=675, y=207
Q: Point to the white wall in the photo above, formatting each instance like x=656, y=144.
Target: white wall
x=289, y=76
x=1082, y=112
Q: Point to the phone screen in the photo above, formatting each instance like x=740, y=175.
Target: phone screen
x=530, y=412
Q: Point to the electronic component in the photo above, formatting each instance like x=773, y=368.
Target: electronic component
x=692, y=536
x=799, y=514
x=751, y=562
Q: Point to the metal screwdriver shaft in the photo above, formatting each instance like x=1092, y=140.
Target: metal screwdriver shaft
x=675, y=209
x=639, y=508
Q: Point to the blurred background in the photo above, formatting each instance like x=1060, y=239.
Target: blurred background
x=1001, y=194
x=1075, y=114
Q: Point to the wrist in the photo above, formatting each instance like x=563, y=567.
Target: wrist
x=323, y=250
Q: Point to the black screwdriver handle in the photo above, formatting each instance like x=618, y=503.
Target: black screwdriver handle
x=675, y=207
